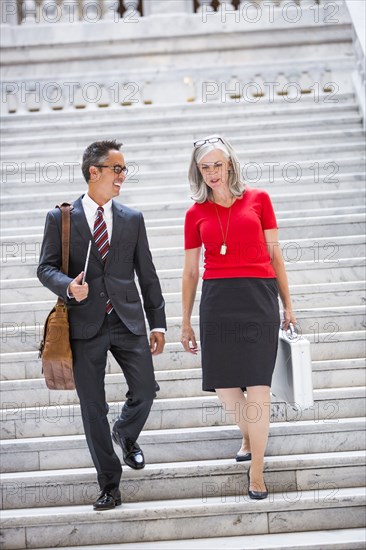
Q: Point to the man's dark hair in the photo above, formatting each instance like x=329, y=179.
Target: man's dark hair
x=97, y=153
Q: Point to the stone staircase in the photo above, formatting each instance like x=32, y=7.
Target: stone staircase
x=310, y=157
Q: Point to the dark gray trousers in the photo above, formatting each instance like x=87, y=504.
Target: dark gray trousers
x=133, y=355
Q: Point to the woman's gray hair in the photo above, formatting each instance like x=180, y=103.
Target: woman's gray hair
x=202, y=192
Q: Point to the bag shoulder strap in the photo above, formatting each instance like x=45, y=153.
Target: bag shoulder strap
x=65, y=208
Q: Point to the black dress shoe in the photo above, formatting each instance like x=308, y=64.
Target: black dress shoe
x=243, y=458
x=132, y=454
x=108, y=499
x=256, y=495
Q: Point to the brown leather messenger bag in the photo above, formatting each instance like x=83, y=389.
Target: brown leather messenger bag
x=55, y=350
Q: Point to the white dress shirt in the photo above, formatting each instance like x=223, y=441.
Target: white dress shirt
x=90, y=209
x=91, y=213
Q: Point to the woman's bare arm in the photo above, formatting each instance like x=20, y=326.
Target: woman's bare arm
x=274, y=250
x=189, y=289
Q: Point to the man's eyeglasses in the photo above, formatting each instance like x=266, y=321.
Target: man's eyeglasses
x=201, y=142
x=117, y=168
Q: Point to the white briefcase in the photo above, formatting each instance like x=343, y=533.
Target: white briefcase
x=292, y=377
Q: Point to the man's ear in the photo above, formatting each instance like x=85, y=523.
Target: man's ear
x=94, y=172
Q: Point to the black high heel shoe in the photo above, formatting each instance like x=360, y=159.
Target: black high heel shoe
x=256, y=495
x=243, y=458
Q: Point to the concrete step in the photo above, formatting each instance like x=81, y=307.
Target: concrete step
x=167, y=144
x=28, y=387
x=204, y=478
x=329, y=227
x=324, y=346
x=142, y=166
x=77, y=139
x=187, y=444
x=325, y=168
x=328, y=179
x=178, y=116
x=315, y=203
x=187, y=374
x=338, y=372
x=314, y=175
x=170, y=201
x=70, y=525
x=21, y=256
x=331, y=539
x=332, y=373
x=22, y=337
x=307, y=272
x=21, y=418
x=179, y=218
x=332, y=319
x=327, y=295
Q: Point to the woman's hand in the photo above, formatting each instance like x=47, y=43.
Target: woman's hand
x=288, y=317
x=188, y=339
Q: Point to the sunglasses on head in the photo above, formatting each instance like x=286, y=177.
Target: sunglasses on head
x=201, y=142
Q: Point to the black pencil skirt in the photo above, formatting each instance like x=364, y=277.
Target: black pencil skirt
x=239, y=324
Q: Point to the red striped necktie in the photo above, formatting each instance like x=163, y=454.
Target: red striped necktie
x=101, y=240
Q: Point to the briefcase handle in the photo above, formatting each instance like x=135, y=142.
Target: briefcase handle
x=292, y=330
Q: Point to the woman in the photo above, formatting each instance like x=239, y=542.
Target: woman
x=239, y=310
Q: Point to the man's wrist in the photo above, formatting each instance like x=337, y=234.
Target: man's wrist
x=163, y=330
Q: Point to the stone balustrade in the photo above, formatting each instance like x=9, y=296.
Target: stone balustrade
x=30, y=12
x=232, y=84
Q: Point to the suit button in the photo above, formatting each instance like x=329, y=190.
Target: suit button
x=102, y=294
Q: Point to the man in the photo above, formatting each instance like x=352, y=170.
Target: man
x=105, y=311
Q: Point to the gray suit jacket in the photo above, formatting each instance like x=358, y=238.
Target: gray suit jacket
x=129, y=253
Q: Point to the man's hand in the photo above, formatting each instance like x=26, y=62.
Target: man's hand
x=157, y=342
x=77, y=290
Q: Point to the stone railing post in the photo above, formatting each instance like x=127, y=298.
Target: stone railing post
x=70, y=11
x=131, y=8
x=50, y=11
x=307, y=3
x=225, y=5
x=205, y=6
x=29, y=12
x=9, y=12
x=91, y=12
x=111, y=10
x=152, y=7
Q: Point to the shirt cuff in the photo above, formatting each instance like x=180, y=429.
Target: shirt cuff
x=68, y=294
x=163, y=330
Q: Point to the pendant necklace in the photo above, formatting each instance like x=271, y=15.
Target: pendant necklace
x=223, y=248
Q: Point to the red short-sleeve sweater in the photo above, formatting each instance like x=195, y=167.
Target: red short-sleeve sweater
x=247, y=254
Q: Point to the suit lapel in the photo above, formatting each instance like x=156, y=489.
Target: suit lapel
x=118, y=224
x=79, y=222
